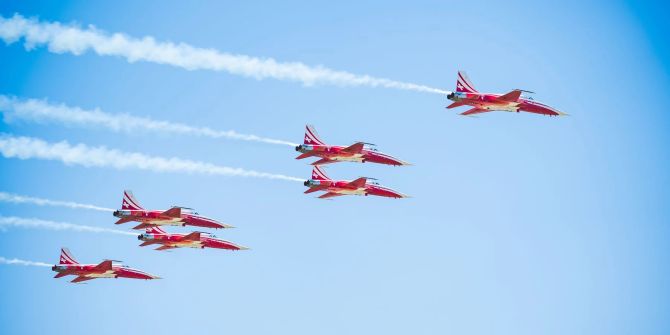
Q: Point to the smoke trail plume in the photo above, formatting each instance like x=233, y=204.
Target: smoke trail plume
x=22, y=199
x=16, y=261
x=69, y=38
x=40, y=110
x=81, y=154
x=12, y=221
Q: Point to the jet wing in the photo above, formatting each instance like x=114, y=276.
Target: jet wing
x=103, y=266
x=144, y=244
x=316, y=188
x=358, y=183
x=164, y=247
x=510, y=97
x=174, y=212
x=80, y=279
x=194, y=236
x=323, y=161
x=330, y=195
x=123, y=220
x=475, y=111
x=355, y=148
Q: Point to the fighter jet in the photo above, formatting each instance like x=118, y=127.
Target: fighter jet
x=175, y=216
x=156, y=235
x=512, y=101
x=335, y=188
x=359, y=152
x=106, y=269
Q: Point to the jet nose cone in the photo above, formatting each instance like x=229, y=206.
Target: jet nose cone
x=225, y=226
x=139, y=237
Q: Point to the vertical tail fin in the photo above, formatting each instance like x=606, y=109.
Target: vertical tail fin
x=155, y=230
x=129, y=201
x=66, y=257
x=319, y=174
x=312, y=137
x=463, y=83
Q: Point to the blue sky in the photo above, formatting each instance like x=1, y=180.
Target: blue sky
x=519, y=224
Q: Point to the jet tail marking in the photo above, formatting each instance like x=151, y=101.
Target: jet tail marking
x=311, y=136
x=66, y=257
x=319, y=174
x=463, y=83
x=129, y=201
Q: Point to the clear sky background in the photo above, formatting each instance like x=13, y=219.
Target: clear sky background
x=519, y=223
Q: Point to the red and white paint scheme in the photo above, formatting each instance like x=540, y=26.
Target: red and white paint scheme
x=175, y=216
x=334, y=188
x=488, y=102
x=359, y=152
x=156, y=235
x=68, y=266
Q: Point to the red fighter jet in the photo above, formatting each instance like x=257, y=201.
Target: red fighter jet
x=359, y=152
x=335, y=188
x=487, y=102
x=106, y=269
x=155, y=235
x=175, y=216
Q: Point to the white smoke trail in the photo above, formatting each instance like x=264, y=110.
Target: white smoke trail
x=60, y=38
x=21, y=199
x=40, y=110
x=16, y=261
x=11, y=221
x=81, y=154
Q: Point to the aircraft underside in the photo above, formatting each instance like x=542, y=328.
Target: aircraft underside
x=360, y=191
x=354, y=158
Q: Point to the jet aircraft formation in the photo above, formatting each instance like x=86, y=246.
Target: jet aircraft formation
x=151, y=221
x=313, y=146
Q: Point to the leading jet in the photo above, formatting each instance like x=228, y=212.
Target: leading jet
x=335, y=188
x=513, y=101
x=175, y=216
x=359, y=152
x=196, y=239
x=106, y=269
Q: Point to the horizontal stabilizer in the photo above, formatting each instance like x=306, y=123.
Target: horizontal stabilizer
x=61, y=274
x=474, y=111
x=456, y=104
x=164, y=247
x=123, y=220
x=330, y=195
x=81, y=279
x=143, y=226
x=316, y=189
x=323, y=161
x=305, y=155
